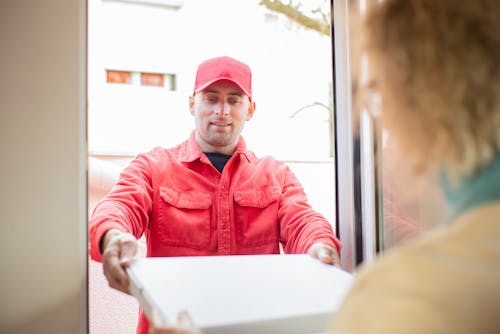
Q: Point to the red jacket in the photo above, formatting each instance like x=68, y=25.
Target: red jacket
x=186, y=207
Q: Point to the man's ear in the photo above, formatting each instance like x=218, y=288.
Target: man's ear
x=251, y=110
x=191, y=104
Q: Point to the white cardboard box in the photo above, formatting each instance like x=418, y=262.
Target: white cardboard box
x=241, y=294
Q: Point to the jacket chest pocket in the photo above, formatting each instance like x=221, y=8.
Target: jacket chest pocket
x=256, y=216
x=184, y=218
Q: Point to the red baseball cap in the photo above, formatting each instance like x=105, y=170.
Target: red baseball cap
x=224, y=68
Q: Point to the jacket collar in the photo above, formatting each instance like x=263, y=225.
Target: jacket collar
x=191, y=151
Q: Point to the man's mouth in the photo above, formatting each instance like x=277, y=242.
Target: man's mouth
x=220, y=123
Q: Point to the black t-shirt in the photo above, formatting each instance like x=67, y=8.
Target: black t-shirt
x=219, y=160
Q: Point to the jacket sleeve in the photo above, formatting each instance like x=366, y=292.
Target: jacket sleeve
x=300, y=225
x=126, y=208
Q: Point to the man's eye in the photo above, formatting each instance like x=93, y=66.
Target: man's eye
x=234, y=101
x=211, y=99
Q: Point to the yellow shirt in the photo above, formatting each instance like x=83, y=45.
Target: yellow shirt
x=445, y=282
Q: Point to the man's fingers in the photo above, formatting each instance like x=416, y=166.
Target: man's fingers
x=115, y=274
x=336, y=260
x=118, y=254
x=325, y=254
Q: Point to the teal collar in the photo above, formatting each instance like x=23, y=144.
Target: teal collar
x=480, y=188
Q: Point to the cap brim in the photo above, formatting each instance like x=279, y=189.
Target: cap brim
x=207, y=84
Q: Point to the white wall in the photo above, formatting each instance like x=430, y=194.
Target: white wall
x=43, y=274
x=291, y=69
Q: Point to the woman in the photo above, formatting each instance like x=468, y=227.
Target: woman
x=436, y=67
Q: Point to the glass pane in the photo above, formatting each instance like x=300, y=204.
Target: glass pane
x=152, y=79
x=410, y=205
x=391, y=205
x=118, y=77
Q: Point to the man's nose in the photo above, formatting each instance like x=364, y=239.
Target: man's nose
x=222, y=109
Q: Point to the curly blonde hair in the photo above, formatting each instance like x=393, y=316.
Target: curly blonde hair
x=436, y=64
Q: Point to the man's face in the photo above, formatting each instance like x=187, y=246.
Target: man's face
x=220, y=112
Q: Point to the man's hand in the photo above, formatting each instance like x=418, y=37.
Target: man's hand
x=118, y=251
x=325, y=254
